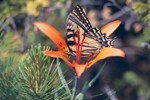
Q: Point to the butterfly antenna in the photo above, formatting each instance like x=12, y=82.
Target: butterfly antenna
x=115, y=37
x=112, y=40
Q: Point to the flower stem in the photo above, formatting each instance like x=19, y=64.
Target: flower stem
x=74, y=87
x=62, y=78
x=98, y=74
x=88, y=85
x=95, y=78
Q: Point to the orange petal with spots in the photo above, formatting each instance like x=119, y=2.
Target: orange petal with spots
x=54, y=35
x=54, y=54
x=109, y=28
x=58, y=54
x=105, y=53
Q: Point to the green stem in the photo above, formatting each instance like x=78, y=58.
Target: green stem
x=74, y=87
x=87, y=86
x=62, y=78
x=94, y=79
x=98, y=74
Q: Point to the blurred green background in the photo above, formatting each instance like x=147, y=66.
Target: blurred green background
x=122, y=79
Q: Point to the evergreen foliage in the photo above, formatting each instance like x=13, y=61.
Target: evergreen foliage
x=38, y=77
x=142, y=9
x=35, y=77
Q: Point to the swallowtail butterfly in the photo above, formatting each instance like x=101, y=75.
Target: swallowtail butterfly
x=82, y=37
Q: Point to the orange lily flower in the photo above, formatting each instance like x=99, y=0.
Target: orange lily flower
x=63, y=50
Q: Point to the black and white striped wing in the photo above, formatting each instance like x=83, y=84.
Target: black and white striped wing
x=79, y=33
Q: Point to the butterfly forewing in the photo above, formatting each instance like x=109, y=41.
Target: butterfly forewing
x=79, y=17
x=81, y=33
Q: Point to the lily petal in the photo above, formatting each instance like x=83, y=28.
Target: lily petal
x=58, y=54
x=105, y=53
x=79, y=68
x=109, y=28
x=54, y=35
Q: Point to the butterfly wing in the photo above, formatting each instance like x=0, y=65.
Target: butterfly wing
x=78, y=16
x=78, y=26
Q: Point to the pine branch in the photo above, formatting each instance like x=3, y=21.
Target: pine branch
x=38, y=77
x=140, y=8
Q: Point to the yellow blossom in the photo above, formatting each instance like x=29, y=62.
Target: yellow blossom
x=31, y=8
x=43, y=3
